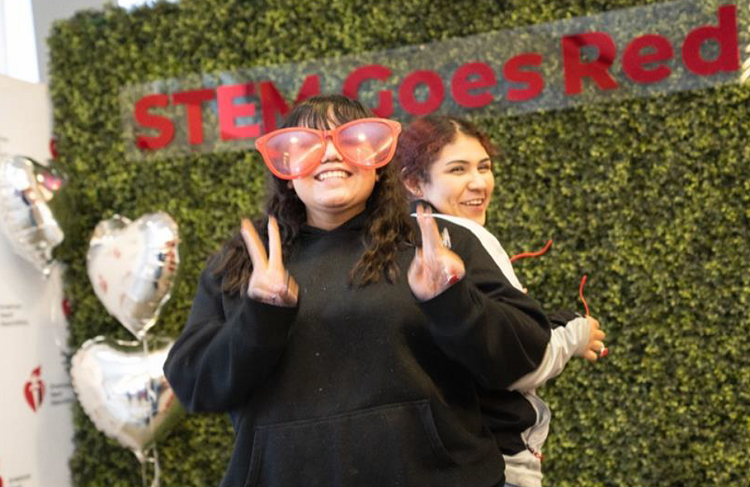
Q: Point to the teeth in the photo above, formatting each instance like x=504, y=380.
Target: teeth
x=473, y=203
x=331, y=174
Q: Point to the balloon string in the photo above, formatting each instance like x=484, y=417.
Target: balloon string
x=524, y=255
x=152, y=457
x=157, y=469
x=580, y=294
x=144, y=475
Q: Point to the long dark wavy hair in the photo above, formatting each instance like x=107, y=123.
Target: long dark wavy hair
x=388, y=225
x=421, y=142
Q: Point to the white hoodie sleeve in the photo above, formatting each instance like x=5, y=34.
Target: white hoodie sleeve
x=564, y=342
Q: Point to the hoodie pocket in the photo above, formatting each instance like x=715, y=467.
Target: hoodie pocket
x=397, y=444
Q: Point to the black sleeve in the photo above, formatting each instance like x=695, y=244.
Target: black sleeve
x=484, y=323
x=219, y=359
x=562, y=317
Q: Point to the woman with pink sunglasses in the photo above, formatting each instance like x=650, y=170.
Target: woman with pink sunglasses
x=446, y=163
x=347, y=342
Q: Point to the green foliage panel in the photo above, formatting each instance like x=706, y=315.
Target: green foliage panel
x=650, y=197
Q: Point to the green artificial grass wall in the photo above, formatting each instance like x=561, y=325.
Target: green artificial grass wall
x=650, y=197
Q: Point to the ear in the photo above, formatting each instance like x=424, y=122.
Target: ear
x=413, y=186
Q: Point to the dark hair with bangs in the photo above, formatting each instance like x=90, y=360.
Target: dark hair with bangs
x=323, y=112
x=388, y=224
x=421, y=142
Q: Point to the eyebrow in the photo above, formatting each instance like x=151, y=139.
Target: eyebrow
x=461, y=161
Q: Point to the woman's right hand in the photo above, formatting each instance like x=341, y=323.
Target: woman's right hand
x=270, y=282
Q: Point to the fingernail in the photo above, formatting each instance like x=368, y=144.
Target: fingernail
x=452, y=278
x=604, y=352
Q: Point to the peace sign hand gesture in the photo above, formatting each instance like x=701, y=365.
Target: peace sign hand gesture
x=435, y=268
x=270, y=282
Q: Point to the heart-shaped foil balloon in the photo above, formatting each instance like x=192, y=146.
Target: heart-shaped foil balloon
x=25, y=189
x=132, y=266
x=123, y=390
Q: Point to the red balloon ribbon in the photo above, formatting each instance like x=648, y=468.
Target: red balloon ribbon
x=604, y=351
x=580, y=294
x=524, y=255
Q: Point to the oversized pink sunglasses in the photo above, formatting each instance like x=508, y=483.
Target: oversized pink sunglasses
x=295, y=152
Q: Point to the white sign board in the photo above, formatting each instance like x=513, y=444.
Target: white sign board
x=36, y=430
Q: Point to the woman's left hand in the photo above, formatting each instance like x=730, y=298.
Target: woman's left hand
x=435, y=268
x=595, y=347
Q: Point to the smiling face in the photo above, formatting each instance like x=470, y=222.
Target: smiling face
x=336, y=190
x=460, y=180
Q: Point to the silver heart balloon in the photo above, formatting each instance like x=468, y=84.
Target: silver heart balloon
x=132, y=266
x=123, y=390
x=25, y=189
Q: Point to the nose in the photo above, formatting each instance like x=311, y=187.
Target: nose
x=331, y=154
x=477, y=182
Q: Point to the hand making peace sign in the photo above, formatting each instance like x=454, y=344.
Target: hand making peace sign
x=435, y=267
x=270, y=282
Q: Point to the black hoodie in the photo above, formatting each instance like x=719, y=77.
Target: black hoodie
x=359, y=386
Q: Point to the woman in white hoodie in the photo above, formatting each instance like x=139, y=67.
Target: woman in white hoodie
x=446, y=162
